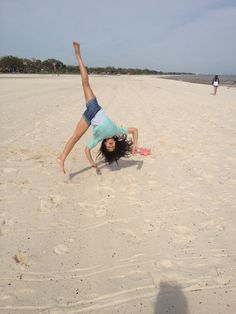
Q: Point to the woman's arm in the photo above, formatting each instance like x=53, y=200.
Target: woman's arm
x=134, y=133
x=89, y=157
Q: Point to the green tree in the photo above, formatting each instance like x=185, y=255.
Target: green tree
x=32, y=66
x=10, y=64
x=52, y=66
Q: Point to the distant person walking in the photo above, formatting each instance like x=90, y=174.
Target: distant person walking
x=215, y=83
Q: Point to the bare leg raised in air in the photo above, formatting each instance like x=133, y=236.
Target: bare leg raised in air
x=82, y=126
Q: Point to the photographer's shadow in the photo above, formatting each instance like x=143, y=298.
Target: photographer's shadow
x=123, y=163
x=171, y=299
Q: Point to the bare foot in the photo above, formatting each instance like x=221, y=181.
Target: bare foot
x=61, y=165
x=76, y=47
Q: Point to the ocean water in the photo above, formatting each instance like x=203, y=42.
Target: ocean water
x=227, y=80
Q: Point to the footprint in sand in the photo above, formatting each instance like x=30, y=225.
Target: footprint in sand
x=9, y=170
x=129, y=235
x=182, y=229
x=149, y=226
x=212, y=224
x=106, y=190
x=23, y=293
x=50, y=202
x=166, y=264
x=182, y=234
x=224, y=280
x=152, y=182
x=6, y=223
x=61, y=249
x=100, y=212
x=132, y=192
x=52, y=311
x=21, y=259
x=93, y=210
x=6, y=297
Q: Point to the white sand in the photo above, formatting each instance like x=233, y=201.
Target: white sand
x=153, y=235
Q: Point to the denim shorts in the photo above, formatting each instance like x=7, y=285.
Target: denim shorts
x=92, y=109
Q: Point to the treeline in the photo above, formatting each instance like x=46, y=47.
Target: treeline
x=11, y=64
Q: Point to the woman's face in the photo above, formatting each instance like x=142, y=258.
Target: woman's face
x=110, y=144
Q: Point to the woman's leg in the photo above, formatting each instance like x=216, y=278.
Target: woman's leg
x=88, y=93
x=81, y=128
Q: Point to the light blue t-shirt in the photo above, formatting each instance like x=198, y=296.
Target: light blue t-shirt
x=103, y=128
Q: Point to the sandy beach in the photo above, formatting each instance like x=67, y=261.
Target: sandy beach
x=154, y=234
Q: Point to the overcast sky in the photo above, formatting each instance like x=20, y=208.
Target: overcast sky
x=169, y=35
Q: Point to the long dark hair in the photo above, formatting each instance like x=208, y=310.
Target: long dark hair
x=123, y=148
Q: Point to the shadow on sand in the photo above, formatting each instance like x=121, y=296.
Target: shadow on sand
x=113, y=167
x=171, y=299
